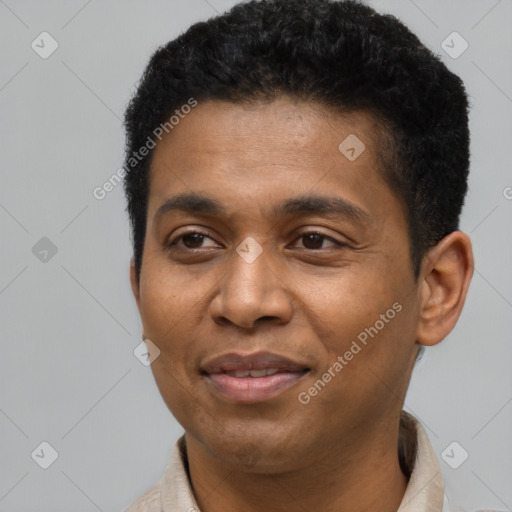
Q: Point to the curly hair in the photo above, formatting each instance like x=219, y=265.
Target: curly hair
x=341, y=54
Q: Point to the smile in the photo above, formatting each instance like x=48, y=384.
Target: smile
x=252, y=378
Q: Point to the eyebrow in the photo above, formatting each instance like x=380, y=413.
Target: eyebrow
x=193, y=203
x=321, y=205
x=305, y=204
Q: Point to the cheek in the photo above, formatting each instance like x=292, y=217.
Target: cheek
x=372, y=344
x=166, y=302
x=163, y=318
x=368, y=322
x=342, y=308
x=176, y=393
x=172, y=308
x=157, y=315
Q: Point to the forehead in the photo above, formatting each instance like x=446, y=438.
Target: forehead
x=243, y=138
x=295, y=120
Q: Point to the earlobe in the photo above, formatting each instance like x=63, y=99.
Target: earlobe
x=445, y=276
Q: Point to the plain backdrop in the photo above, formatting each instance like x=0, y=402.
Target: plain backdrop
x=69, y=325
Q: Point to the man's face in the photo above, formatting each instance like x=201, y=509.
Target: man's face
x=273, y=282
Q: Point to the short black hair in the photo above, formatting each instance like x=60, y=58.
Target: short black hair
x=341, y=54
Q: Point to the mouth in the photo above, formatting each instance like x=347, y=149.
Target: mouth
x=252, y=378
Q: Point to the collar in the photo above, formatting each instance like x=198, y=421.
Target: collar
x=425, y=490
x=424, y=493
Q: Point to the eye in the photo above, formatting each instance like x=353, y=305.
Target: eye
x=191, y=240
x=314, y=240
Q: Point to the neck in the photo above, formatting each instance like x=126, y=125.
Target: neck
x=357, y=475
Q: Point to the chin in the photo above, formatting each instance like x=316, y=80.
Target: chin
x=257, y=451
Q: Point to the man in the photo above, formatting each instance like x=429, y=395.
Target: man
x=295, y=174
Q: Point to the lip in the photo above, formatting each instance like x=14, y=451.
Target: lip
x=219, y=373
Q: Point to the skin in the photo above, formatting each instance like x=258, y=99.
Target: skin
x=304, y=297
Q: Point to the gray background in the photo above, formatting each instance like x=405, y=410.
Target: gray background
x=69, y=325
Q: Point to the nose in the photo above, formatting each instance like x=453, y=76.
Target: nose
x=251, y=293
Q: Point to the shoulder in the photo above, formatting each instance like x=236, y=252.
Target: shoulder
x=172, y=489
x=150, y=501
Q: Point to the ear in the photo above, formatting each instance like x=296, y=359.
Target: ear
x=445, y=275
x=135, y=283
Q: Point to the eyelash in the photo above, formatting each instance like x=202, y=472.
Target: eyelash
x=174, y=241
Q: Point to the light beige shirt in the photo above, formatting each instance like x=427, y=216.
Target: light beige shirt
x=424, y=493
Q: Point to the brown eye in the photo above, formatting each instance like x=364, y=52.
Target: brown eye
x=313, y=241
x=192, y=240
